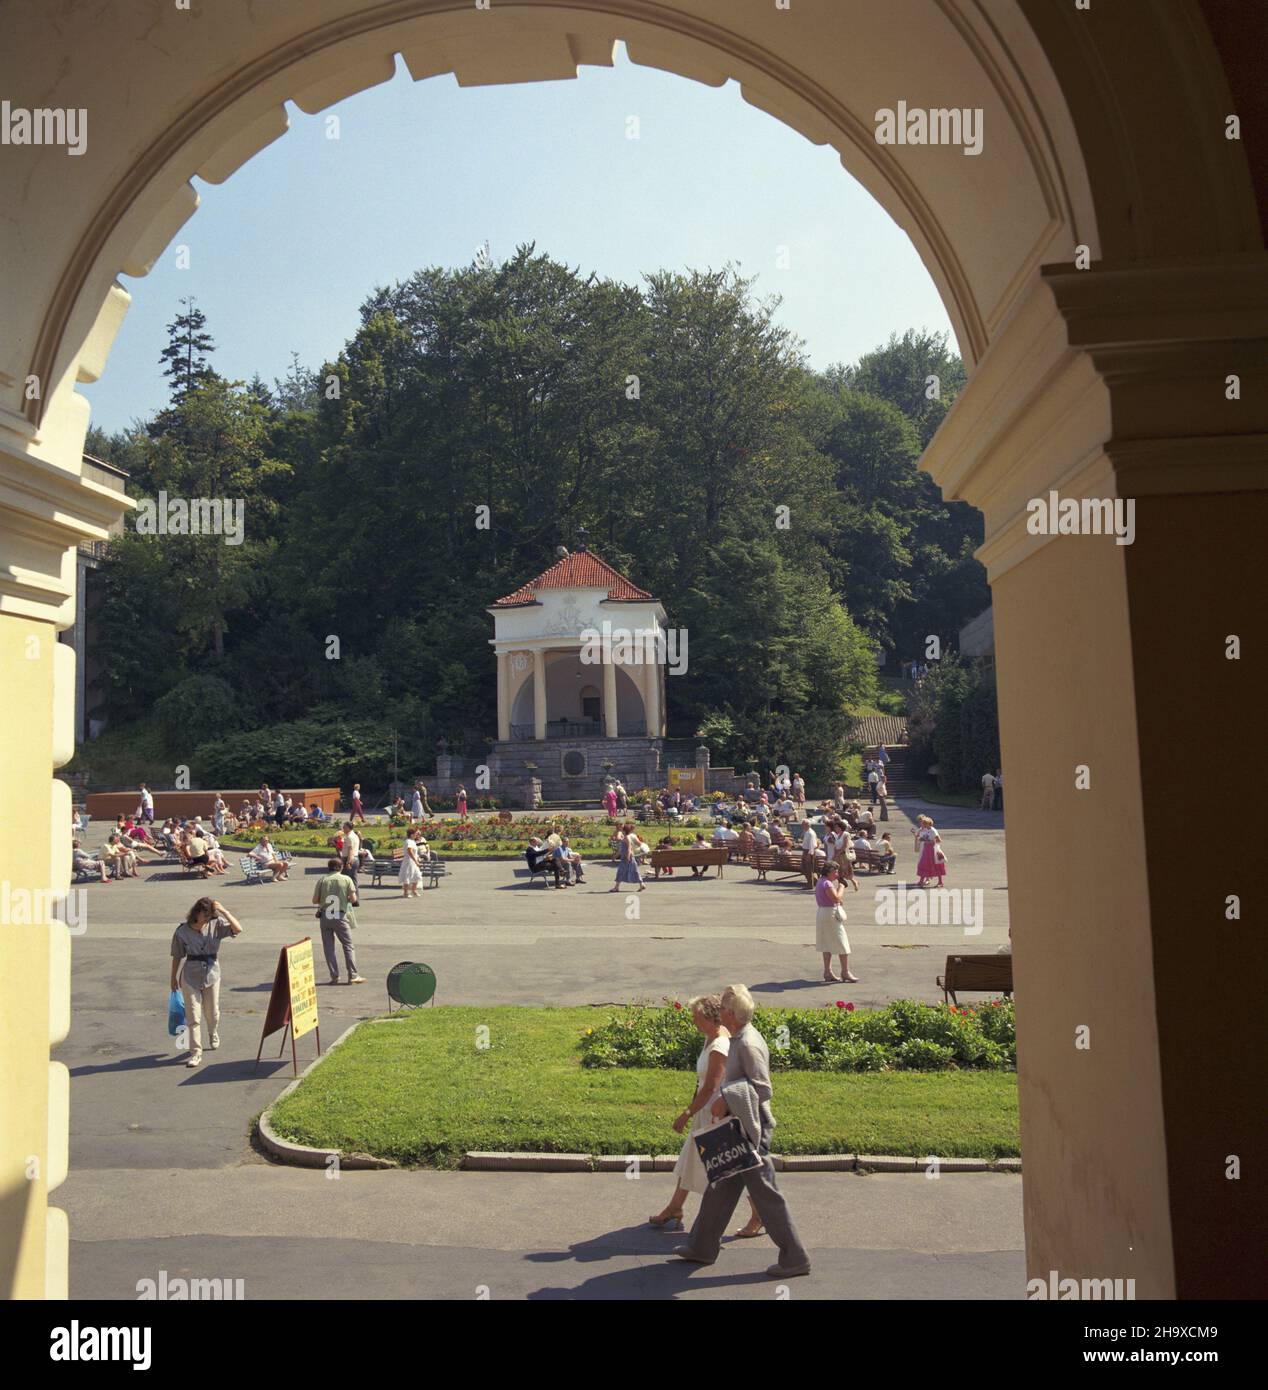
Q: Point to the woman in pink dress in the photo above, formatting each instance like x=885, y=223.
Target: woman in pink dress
x=933, y=862
x=462, y=803
x=609, y=802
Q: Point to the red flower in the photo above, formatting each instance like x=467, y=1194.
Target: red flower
x=840, y=1003
x=677, y=1005
x=849, y=1008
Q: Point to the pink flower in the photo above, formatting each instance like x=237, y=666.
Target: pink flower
x=849, y=1008
x=841, y=1004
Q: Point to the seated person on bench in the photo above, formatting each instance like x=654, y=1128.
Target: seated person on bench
x=568, y=859
x=885, y=849
x=539, y=858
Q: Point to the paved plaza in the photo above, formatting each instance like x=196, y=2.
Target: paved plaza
x=140, y=1121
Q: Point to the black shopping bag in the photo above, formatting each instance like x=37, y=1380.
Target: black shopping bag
x=725, y=1151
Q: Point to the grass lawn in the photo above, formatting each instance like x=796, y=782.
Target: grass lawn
x=930, y=791
x=419, y=1090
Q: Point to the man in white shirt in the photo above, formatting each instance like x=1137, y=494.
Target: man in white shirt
x=988, y=791
x=809, y=840
x=147, y=805
x=724, y=832
x=351, y=851
x=762, y=836
x=784, y=807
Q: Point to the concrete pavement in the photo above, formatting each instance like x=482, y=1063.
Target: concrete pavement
x=140, y=1121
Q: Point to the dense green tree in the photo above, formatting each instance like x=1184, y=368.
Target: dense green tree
x=480, y=417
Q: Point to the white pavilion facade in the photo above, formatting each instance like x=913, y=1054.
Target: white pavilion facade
x=580, y=682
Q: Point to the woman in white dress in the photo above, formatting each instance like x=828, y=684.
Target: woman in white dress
x=830, y=937
x=689, y=1175
x=411, y=876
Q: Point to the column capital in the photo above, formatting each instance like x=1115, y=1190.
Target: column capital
x=1112, y=381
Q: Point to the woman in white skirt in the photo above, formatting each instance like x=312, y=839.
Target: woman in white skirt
x=830, y=937
x=689, y=1175
x=411, y=876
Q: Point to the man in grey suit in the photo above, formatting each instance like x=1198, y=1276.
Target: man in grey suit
x=748, y=1072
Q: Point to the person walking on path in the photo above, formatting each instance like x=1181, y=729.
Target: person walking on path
x=358, y=810
x=689, y=1174
x=988, y=791
x=609, y=802
x=747, y=1071
x=830, y=937
x=882, y=795
x=873, y=781
x=933, y=860
x=335, y=898
x=196, y=970
x=627, y=870
x=351, y=851
x=411, y=875
x=145, y=811
x=462, y=803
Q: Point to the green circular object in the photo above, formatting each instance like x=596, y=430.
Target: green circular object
x=411, y=983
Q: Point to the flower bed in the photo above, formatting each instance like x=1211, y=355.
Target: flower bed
x=904, y=1036
x=485, y=838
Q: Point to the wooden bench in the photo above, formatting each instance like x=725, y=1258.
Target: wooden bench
x=786, y=863
x=688, y=858
x=871, y=861
x=976, y=975
x=380, y=868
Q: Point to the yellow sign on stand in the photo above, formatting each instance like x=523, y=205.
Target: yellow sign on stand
x=299, y=967
x=293, y=1002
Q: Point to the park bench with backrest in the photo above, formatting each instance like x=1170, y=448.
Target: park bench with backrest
x=874, y=863
x=690, y=857
x=786, y=863
x=976, y=975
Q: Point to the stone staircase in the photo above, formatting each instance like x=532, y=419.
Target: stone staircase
x=901, y=780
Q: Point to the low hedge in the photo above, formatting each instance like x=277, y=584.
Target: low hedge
x=906, y=1035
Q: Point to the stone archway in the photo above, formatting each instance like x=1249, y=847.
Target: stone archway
x=1104, y=381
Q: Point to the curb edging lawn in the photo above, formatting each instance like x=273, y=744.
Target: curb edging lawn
x=304, y=1156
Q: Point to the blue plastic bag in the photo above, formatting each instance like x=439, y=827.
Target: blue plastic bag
x=175, y=1012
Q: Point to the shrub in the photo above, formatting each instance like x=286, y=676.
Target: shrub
x=917, y=1054
x=906, y=1035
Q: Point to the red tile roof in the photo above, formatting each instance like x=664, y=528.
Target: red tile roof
x=580, y=570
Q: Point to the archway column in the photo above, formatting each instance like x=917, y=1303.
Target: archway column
x=1123, y=725
x=611, y=726
x=504, y=696
x=539, y=694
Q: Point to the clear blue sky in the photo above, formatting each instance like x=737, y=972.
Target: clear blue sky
x=285, y=252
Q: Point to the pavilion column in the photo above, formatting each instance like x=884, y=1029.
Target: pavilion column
x=651, y=698
x=504, y=696
x=610, y=726
x=539, y=695
x=1120, y=709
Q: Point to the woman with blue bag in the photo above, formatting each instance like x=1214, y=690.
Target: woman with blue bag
x=196, y=967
